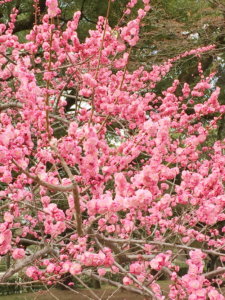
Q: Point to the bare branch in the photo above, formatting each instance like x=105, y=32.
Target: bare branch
x=214, y=273
x=10, y=105
x=117, y=284
x=130, y=241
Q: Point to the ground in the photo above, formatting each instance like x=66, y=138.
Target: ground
x=107, y=293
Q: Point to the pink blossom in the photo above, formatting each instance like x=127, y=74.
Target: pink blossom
x=120, y=174
x=130, y=33
x=101, y=271
x=136, y=268
x=66, y=266
x=214, y=295
x=8, y=217
x=18, y=253
x=53, y=9
x=32, y=272
x=75, y=268
x=56, y=213
x=161, y=260
x=50, y=268
x=127, y=281
x=115, y=269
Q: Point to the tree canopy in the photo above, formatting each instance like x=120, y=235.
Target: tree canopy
x=112, y=167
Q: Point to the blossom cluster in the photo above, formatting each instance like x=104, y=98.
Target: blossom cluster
x=126, y=180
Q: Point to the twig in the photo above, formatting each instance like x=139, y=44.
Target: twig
x=147, y=290
x=162, y=244
x=72, y=290
x=8, y=58
x=117, y=284
x=58, y=188
x=87, y=287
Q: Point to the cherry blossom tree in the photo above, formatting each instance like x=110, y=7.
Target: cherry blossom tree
x=124, y=181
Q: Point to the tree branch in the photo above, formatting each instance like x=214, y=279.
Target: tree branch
x=214, y=273
x=124, y=271
x=162, y=244
x=58, y=188
x=114, y=283
x=25, y=262
x=76, y=196
x=10, y=105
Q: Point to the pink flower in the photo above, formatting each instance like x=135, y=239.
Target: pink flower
x=161, y=260
x=89, y=80
x=32, y=272
x=8, y=217
x=18, y=253
x=136, y=268
x=115, y=269
x=214, y=295
x=127, y=281
x=5, y=241
x=130, y=33
x=75, y=269
x=101, y=271
x=55, y=212
x=66, y=266
x=121, y=184
x=53, y=9
x=194, y=284
x=72, y=128
x=50, y=268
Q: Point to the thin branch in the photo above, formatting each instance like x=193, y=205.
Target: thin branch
x=87, y=287
x=72, y=290
x=163, y=244
x=147, y=290
x=214, y=273
x=30, y=242
x=20, y=283
x=58, y=188
x=117, y=284
x=10, y=105
x=24, y=263
x=8, y=58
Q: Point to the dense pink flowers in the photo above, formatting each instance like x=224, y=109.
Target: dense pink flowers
x=53, y=9
x=161, y=260
x=75, y=269
x=130, y=32
x=110, y=183
x=33, y=272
